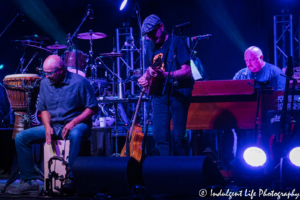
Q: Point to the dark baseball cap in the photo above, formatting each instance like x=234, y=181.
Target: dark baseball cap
x=150, y=23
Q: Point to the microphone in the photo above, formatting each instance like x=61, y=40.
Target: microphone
x=90, y=11
x=201, y=37
x=186, y=24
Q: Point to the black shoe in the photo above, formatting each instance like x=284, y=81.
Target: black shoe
x=69, y=187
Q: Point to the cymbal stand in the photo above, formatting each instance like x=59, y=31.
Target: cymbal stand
x=22, y=62
x=19, y=13
x=93, y=67
x=24, y=70
x=69, y=41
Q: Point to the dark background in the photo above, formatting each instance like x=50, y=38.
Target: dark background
x=234, y=25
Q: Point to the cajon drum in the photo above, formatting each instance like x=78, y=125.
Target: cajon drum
x=55, y=149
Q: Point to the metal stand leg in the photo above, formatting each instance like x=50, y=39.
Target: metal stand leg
x=116, y=154
x=11, y=178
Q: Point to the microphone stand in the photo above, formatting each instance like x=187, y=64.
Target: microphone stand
x=167, y=84
x=70, y=43
x=10, y=23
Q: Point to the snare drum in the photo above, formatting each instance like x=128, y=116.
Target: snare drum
x=70, y=59
x=17, y=96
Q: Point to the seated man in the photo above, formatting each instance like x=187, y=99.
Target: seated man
x=67, y=103
x=260, y=70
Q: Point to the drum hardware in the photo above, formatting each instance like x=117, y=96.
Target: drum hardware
x=23, y=71
x=53, y=175
x=91, y=35
x=112, y=55
x=56, y=47
x=19, y=13
x=69, y=39
x=34, y=37
x=31, y=42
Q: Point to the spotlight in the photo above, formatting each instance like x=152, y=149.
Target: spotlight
x=123, y=4
x=255, y=156
x=252, y=169
x=294, y=156
x=1, y=66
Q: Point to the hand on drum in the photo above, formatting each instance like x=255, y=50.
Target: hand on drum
x=49, y=132
x=67, y=129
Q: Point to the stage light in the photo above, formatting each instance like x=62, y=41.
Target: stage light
x=255, y=156
x=294, y=156
x=123, y=4
x=252, y=168
x=1, y=66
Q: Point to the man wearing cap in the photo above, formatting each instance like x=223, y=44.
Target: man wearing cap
x=173, y=102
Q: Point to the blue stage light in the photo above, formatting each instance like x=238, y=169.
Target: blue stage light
x=1, y=66
x=123, y=4
x=255, y=156
x=294, y=156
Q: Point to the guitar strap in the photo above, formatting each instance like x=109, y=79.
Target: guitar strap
x=152, y=50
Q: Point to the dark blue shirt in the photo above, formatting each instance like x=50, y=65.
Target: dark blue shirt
x=269, y=73
x=66, y=100
x=174, y=62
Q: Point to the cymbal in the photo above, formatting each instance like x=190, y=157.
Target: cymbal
x=28, y=42
x=56, y=46
x=35, y=37
x=91, y=35
x=112, y=54
x=35, y=49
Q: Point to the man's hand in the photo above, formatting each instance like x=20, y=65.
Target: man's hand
x=49, y=132
x=67, y=129
x=158, y=73
x=143, y=81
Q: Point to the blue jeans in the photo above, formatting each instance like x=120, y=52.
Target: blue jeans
x=24, y=139
x=161, y=125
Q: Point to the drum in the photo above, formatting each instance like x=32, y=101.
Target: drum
x=70, y=59
x=17, y=96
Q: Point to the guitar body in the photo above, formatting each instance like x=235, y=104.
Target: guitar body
x=154, y=82
x=154, y=85
x=136, y=141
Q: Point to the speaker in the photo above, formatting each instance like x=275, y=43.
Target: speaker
x=112, y=175
x=179, y=175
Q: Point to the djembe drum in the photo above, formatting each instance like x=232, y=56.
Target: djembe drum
x=18, y=87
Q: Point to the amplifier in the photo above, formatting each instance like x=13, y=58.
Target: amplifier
x=274, y=121
x=296, y=104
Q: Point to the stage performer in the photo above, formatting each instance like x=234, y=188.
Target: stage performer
x=260, y=70
x=174, y=102
x=67, y=103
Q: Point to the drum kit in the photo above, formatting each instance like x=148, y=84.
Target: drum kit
x=22, y=89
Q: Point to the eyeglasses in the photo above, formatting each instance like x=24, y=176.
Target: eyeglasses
x=49, y=73
x=252, y=59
